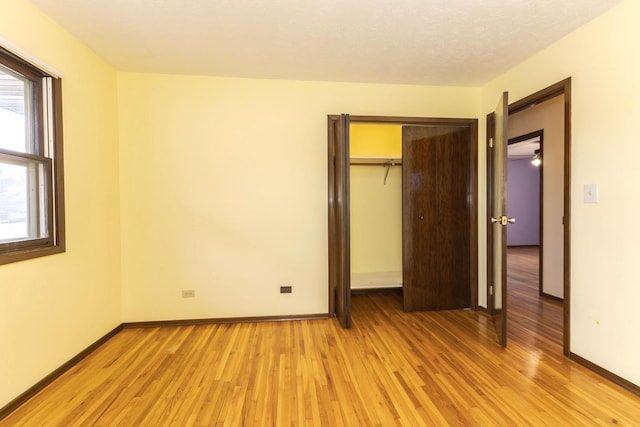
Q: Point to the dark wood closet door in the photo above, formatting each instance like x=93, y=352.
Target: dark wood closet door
x=339, y=219
x=436, y=217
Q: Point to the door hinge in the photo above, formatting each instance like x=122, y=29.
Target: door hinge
x=491, y=290
x=490, y=142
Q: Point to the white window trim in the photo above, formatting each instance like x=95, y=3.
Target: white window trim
x=23, y=54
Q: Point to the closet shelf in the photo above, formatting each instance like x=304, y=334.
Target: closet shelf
x=384, y=161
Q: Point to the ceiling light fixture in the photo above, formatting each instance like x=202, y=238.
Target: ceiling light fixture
x=536, y=160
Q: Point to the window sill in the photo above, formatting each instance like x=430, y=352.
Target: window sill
x=23, y=255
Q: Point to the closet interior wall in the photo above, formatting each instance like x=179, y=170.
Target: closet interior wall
x=376, y=206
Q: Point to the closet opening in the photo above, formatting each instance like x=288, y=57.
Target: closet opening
x=375, y=171
x=402, y=211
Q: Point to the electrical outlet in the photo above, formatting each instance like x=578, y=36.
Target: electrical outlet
x=190, y=293
x=286, y=289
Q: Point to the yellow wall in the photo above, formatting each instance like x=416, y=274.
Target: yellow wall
x=602, y=59
x=226, y=188
x=224, y=191
x=376, y=207
x=375, y=140
x=52, y=308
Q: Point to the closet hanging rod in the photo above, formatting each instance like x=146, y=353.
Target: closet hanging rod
x=384, y=161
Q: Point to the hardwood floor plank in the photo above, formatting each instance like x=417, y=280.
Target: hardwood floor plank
x=391, y=368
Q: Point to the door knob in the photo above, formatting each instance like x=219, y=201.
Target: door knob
x=503, y=220
x=421, y=217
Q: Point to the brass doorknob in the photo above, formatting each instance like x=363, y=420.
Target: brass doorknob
x=503, y=220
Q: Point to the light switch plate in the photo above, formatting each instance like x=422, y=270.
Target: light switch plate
x=590, y=193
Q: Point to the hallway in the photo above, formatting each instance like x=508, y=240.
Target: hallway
x=534, y=321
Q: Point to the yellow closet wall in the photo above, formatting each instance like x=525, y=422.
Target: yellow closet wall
x=375, y=140
x=376, y=208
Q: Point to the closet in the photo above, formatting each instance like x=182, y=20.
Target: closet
x=402, y=205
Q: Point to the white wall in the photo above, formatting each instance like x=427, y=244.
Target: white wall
x=602, y=59
x=548, y=116
x=225, y=188
x=52, y=308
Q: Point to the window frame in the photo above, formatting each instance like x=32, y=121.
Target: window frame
x=49, y=155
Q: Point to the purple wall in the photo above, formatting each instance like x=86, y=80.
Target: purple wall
x=523, y=202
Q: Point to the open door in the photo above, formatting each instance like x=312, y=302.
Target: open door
x=339, y=245
x=498, y=220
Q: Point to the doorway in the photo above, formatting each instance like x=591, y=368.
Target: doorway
x=525, y=189
x=559, y=225
x=441, y=143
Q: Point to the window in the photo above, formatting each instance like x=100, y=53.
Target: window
x=31, y=186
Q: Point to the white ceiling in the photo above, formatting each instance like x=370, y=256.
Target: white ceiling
x=523, y=149
x=433, y=42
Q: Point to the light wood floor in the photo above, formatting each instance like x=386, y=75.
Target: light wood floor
x=391, y=368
